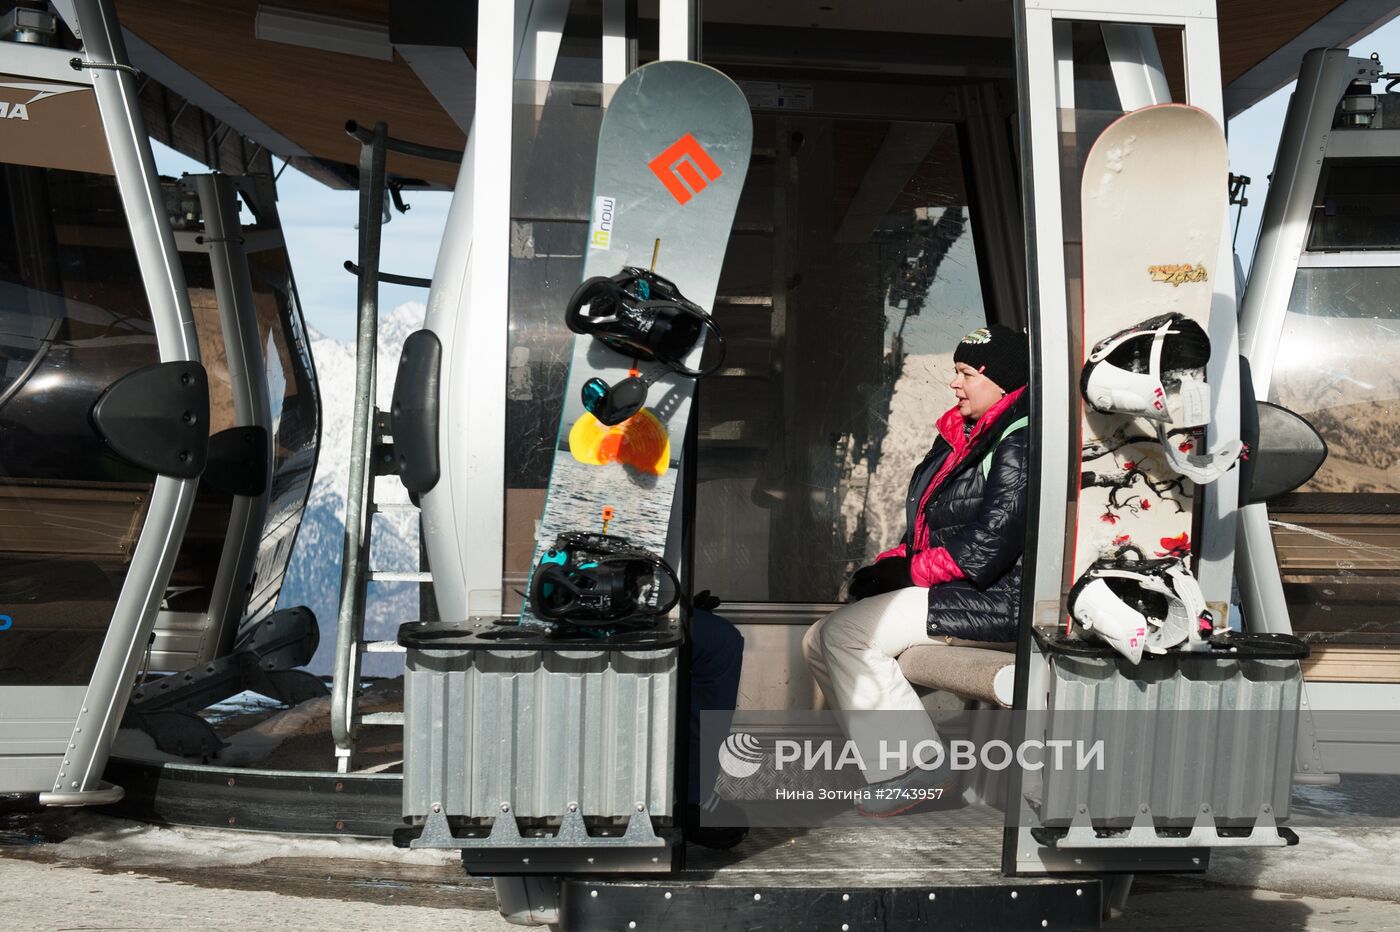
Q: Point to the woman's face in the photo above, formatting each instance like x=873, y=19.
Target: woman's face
x=976, y=393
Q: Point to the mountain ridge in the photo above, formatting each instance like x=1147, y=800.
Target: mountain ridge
x=313, y=576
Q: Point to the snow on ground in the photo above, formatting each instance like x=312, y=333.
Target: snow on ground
x=134, y=844
x=1326, y=862
x=53, y=896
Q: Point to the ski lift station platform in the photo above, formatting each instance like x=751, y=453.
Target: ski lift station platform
x=915, y=173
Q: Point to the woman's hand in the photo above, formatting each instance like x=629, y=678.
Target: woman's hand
x=887, y=575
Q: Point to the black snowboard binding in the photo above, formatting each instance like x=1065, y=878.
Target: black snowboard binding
x=593, y=580
x=642, y=315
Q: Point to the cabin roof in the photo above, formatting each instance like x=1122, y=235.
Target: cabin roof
x=293, y=100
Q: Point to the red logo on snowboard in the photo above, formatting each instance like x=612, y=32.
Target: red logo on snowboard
x=685, y=168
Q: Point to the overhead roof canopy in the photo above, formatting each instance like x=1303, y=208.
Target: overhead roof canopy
x=410, y=63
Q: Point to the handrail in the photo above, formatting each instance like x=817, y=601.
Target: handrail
x=415, y=149
x=410, y=280
x=355, y=554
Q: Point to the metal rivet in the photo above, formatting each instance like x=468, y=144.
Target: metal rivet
x=845, y=898
x=437, y=807
x=505, y=807
x=933, y=896
x=1013, y=894
x=85, y=711
x=231, y=820
x=1079, y=892
x=757, y=897
x=668, y=894
x=75, y=784
x=632, y=924
x=593, y=893
x=1045, y=923
x=641, y=807
x=573, y=807
x=845, y=927
x=230, y=781
x=339, y=825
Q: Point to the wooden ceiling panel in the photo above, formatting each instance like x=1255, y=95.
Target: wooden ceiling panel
x=304, y=94
x=1252, y=30
x=308, y=94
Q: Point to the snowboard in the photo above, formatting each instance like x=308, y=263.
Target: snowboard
x=673, y=152
x=1153, y=202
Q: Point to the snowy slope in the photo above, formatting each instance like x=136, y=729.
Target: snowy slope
x=313, y=579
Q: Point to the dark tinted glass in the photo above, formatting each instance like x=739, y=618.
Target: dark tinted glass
x=73, y=319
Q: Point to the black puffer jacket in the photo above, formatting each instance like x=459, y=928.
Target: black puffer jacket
x=981, y=522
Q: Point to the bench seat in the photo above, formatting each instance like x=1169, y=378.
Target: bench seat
x=984, y=673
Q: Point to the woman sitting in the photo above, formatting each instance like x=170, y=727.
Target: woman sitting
x=955, y=578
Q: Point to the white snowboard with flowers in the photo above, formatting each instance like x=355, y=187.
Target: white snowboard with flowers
x=1153, y=205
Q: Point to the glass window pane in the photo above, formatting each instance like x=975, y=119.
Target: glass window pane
x=850, y=277
x=556, y=133
x=73, y=319
x=1359, y=207
x=294, y=435
x=197, y=563
x=1337, y=537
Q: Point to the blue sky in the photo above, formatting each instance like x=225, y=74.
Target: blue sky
x=320, y=223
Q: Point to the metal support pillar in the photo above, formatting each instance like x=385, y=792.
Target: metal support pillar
x=464, y=514
x=679, y=30
x=79, y=780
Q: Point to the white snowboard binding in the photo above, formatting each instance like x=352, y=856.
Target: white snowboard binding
x=1136, y=604
x=1130, y=373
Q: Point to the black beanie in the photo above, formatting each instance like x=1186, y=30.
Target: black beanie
x=999, y=353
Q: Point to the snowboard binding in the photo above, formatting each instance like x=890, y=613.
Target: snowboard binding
x=590, y=579
x=1136, y=605
x=1130, y=373
x=642, y=315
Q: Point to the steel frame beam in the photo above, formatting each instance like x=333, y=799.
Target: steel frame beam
x=79, y=779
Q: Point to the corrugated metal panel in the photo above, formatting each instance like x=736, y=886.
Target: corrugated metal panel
x=1180, y=732
x=537, y=730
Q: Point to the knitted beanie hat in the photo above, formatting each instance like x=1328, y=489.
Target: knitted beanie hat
x=999, y=353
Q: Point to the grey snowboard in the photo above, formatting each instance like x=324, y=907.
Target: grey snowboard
x=673, y=151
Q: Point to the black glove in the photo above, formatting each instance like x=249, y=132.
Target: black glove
x=704, y=600
x=887, y=575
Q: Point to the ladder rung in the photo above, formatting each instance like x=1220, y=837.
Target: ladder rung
x=382, y=718
x=382, y=647
x=393, y=576
x=395, y=507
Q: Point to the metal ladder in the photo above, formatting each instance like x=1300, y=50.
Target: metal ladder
x=371, y=452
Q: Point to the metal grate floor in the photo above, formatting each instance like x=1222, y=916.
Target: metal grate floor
x=962, y=847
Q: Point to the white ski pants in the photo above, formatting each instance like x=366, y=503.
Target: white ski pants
x=853, y=655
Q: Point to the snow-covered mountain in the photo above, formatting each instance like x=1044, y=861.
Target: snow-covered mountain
x=313, y=578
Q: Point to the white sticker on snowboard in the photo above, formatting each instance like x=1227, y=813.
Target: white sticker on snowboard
x=600, y=227
x=1195, y=403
